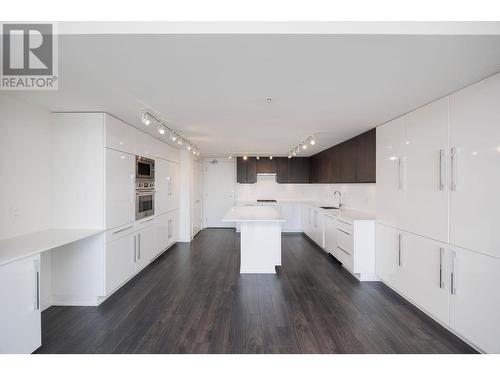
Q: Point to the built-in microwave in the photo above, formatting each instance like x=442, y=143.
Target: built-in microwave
x=144, y=168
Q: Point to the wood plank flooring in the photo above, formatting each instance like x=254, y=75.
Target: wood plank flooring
x=192, y=299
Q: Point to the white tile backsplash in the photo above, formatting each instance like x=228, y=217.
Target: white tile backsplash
x=359, y=197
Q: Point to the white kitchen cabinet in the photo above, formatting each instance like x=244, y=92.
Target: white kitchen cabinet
x=292, y=213
x=474, y=300
x=317, y=231
x=167, y=186
x=145, y=243
x=475, y=179
x=330, y=227
x=388, y=258
x=424, y=155
x=307, y=220
x=411, y=169
x=165, y=231
x=426, y=280
x=120, y=136
x=121, y=248
x=20, y=324
x=120, y=188
x=390, y=139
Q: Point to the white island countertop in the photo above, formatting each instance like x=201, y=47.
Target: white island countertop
x=253, y=213
x=15, y=248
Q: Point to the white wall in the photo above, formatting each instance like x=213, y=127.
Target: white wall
x=356, y=196
x=24, y=167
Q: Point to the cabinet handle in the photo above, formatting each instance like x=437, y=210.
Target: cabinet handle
x=441, y=170
x=453, y=171
x=344, y=250
x=36, y=264
x=123, y=230
x=400, y=178
x=441, y=281
x=399, y=248
x=135, y=248
x=343, y=231
x=139, y=246
x=452, y=274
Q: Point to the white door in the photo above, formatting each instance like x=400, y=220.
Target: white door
x=390, y=168
x=120, y=258
x=197, y=194
x=20, y=325
x=475, y=300
x=120, y=188
x=475, y=140
x=389, y=257
x=426, y=274
x=425, y=195
x=219, y=191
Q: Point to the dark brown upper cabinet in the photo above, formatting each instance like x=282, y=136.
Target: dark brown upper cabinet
x=266, y=165
x=246, y=170
x=352, y=161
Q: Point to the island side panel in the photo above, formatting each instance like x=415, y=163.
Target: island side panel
x=260, y=246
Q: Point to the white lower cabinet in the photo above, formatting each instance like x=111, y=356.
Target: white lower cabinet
x=388, y=256
x=165, y=230
x=20, y=324
x=145, y=243
x=120, y=257
x=474, y=299
x=330, y=227
x=292, y=214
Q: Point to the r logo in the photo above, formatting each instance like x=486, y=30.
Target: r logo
x=27, y=50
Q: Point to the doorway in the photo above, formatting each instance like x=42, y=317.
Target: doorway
x=220, y=179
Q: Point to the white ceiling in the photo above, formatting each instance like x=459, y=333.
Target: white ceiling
x=212, y=88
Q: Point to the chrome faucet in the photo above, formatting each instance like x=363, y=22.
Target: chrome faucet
x=335, y=193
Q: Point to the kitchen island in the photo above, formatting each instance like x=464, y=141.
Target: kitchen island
x=260, y=240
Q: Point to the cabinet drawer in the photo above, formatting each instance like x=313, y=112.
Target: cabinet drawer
x=344, y=240
x=114, y=234
x=344, y=225
x=345, y=258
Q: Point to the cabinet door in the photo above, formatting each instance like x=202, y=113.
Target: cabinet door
x=145, y=246
x=20, y=325
x=366, y=157
x=266, y=165
x=424, y=171
x=166, y=184
x=389, y=177
x=120, y=136
x=300, y=170
x=282, y=170
x=388, y=257
x=475, y=140
x=474, y=300
x=286, y=214
x=251, y=170
x=241, y=170
x=425, y=274
x=162, y=232
x=330, y=227
x=120, y=188
x=347, y=153
x=120, y=259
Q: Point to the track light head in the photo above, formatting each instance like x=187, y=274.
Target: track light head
x=270, y=157
x=161, y=130
x=145, y=119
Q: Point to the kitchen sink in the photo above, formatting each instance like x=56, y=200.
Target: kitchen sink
x=329, y=208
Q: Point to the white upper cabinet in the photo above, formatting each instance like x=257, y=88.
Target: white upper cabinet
x=390, y=138
x=411, y=170
x=167, y=186
x=475, y=140
x=424, y=149
x=120, y=188
x=475, y=301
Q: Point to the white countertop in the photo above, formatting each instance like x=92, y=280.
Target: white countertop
x=252, y=213
x=16, y=248
x=345, y=213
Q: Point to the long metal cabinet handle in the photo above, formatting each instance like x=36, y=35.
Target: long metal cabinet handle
x=441, y=169
x=452, y=274
x=123, y=230
x=453, y=170
x=139, y=246
x=135, y=248
x=400, y=182
x=441, y=281
x=399, y=249
x=36, y=264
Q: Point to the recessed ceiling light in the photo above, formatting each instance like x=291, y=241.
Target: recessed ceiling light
x=258, y=157
x=270, y=157
x=269, y=100
x=245, y=157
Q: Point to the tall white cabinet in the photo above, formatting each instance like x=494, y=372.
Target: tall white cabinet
x=438, y=210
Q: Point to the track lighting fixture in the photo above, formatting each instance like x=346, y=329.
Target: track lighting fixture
x=312, y=141
x=145, y=119
x=161, y=130
x=189, y=147
x=245, y=157
x=230, y=157
x=257, y=157
x=270, y=157
x=302, y=146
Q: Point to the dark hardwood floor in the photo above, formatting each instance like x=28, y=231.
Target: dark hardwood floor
x=192, y=299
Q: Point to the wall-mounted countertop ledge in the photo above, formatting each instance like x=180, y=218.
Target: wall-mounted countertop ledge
x=16, y=248
x=253, y=213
